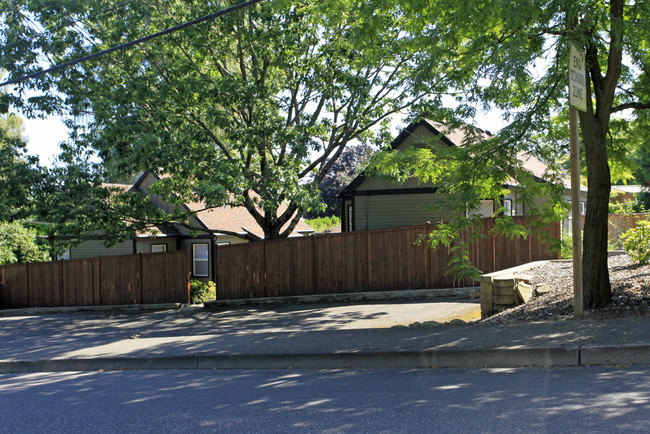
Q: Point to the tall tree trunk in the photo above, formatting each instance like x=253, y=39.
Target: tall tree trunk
x=595, y=281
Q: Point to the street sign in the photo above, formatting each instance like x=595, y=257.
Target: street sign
x=577, y=80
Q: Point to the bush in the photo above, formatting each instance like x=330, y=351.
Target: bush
x=201, y=291
x=19, y=244
x=636, y=242
x=323, y=224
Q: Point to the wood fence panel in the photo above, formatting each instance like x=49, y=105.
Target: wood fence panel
x=121, y=279
x=289, y=266
x=619, y=224
x=81, y=282
x=340, y=263
x=14, y=293
x=45, y=283
x=240, y=271
x=396, y=261
x=165, y=277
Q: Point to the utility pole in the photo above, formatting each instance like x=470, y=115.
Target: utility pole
x=577, y=101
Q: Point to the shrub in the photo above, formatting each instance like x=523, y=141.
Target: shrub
x=636, y=242
x=201, y=291
x=21, y=244
x=323, y=224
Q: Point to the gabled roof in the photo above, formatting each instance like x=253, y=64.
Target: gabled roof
x=459, y=136
x=163, y=230
x=229, y=218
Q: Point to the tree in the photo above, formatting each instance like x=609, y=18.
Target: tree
x=517, y=55
x=20, y=174
x=343, y=171
x=20, y=244
x=252, y=109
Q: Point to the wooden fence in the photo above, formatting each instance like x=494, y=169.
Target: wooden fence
x=114, y=280
x=378, y=260
x=619, y=224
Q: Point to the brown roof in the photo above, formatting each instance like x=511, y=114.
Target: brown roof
x=237, y=219
x=230, y=218
x=529, y=162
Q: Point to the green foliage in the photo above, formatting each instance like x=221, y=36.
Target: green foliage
x=20, y=174
x=323, y=224
x=627, y=207
x=201, y=291
x=251, y=109
x=19, y=244
x=636, y=242
x=457, y=236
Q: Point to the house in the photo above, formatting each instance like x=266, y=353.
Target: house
x=374, y=203
x=212, y=223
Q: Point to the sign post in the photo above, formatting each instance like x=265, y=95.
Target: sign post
x=577, y=101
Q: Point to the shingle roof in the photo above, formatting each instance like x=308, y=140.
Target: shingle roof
x=237, y=219
x=532, y=164
x=230, y=218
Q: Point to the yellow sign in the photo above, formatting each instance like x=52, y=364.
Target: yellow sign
x=577, y=79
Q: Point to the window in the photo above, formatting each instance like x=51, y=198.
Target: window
x=157, y=248
x=507, y=205
x=64, y=256
x=583, y=208
x=200, y=256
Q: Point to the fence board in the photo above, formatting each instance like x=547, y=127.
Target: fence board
x=45, y=283
x=14, y=292
x=240, y=271
x=165, y=277
x=289, y=267
x=97, y=281
x=80, y=282
x=120, y=280
x=377, y=260
x=619, y=224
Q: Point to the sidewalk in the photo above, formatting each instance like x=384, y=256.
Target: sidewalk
x=314, y=336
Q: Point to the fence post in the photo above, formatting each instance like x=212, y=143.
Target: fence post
x=427, y=256
x=140, y=279
x=368, y=260
x=493, y=236
x=27, y=296
x=313, y=265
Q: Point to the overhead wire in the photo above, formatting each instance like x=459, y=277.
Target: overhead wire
x=131, y=43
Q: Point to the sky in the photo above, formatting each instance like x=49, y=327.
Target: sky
x=44, y=135
x=43, y=138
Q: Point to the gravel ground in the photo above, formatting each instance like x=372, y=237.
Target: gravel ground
x=630, y=293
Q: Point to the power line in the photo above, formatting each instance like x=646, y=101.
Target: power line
x=132, y=43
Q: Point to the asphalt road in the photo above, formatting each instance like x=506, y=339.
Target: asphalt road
x=505, y=400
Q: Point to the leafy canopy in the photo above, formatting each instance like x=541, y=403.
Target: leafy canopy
x=251, y=109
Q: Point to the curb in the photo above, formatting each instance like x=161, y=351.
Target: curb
x=75, y=309
x=631, y=354
x=412, y=294
x=437, y=358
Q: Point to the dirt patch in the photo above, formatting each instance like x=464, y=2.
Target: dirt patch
x=630, y=293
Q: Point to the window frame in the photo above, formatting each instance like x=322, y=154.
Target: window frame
x=195, y=260
x=164, y=245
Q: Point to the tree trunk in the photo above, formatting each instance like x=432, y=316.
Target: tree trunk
x=595, y=279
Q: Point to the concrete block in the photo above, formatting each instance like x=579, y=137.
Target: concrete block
x=503, y=281
x=504, y=300
x=543, y=289
x=524, y=292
